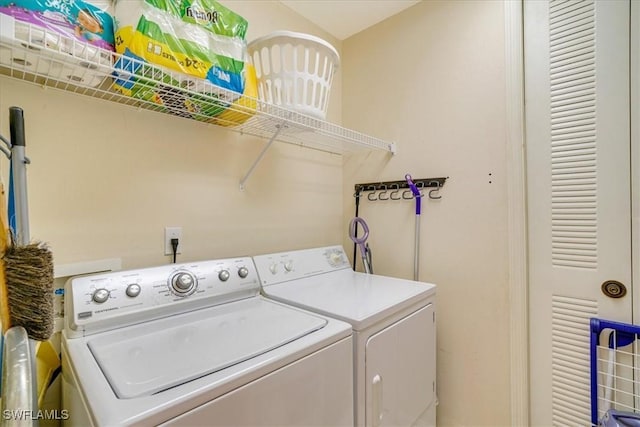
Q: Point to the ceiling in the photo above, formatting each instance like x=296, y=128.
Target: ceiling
x=344, y=18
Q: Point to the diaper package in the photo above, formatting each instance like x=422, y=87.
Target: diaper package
x=196, y=45
x=88, y=22
x=78, y=36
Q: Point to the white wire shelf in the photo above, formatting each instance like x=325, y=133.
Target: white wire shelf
x=36, y=55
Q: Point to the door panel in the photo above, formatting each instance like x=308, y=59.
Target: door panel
x=578, y=173
x=635, y=152
x=400, y=370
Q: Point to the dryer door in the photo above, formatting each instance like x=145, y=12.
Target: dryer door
x=400, y=371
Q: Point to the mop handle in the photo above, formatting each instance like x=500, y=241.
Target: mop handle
x=19, y=169
x=415, y=191
x=417, y=196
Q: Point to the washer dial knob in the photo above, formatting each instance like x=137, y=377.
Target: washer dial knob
x=183, y=282
x=224, y=275
x=273, y=268
x=288, y=265
x=133, y=290
x=335, y=259
x=243, y=272
x=100, y=295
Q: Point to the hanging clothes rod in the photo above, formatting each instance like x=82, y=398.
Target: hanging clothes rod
x=390, y=186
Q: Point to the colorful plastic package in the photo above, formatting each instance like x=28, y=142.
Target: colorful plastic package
x=197, y=45
x=73, y=19
x=77, y=36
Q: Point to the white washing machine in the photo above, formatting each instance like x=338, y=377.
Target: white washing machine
x=195, y=344
x=394, y=334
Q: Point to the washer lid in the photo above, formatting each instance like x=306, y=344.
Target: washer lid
x=357, y=298
x=148, y=358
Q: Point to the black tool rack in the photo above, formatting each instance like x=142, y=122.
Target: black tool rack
x=390, y=186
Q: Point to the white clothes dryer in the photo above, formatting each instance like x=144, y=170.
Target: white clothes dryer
x=394, y=329
x=195, y=344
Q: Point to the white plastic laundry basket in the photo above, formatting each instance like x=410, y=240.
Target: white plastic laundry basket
x=295, y=71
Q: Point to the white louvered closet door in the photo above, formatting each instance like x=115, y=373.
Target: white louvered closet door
x=579, y=211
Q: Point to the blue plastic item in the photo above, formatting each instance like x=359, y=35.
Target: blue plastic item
x=622, y=334
x=615, y=418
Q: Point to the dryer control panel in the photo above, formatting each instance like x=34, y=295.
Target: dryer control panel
x=285, y=266
x=101, y=302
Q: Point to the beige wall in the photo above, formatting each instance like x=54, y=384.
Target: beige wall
x=106, y=179
x=432, y=79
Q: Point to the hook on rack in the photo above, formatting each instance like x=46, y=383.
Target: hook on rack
x=435, y=191
x=396, y=191
x=382, y=195
x=370, y=195
x=359, y=190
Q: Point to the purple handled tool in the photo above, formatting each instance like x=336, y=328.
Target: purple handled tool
x=361, y=242
x=418, y=197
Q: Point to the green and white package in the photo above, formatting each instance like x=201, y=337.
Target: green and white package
x=199, y=38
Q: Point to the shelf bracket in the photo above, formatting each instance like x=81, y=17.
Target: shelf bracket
x=279, y=128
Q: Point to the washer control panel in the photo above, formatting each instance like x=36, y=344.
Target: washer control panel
x=105, y=301
x=285, y=266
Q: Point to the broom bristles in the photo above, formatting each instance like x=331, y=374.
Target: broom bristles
x=29, y=278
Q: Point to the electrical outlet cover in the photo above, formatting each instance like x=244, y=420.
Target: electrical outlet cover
x=172, y=233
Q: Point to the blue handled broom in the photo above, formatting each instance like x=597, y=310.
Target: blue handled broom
x=27, y=267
